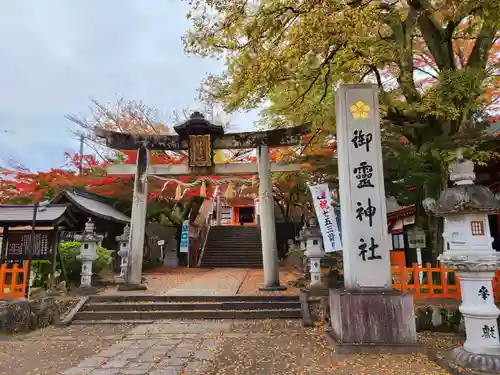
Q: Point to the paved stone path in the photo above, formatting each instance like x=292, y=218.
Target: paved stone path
x=217, y=282
x=169, y=347
x=250, y=347
x=51, y=350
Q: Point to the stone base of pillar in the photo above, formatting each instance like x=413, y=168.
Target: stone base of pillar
x=380, y=321
x=130, y=287
x=480, y=362
x=86, y=290
x=54, y=292
x=272, y=288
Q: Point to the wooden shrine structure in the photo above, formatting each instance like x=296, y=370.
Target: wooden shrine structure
x=199, y=137
x=29, y=232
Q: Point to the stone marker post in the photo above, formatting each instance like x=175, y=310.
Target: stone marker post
x=367, y=311
x=465, y=208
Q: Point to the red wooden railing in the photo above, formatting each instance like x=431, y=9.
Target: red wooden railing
x=427, y=282
x=13, y=281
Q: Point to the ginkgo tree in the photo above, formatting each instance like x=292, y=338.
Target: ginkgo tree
x=436, y=63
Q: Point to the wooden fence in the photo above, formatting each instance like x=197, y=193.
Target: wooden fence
x=13, y=281
x=426, y=282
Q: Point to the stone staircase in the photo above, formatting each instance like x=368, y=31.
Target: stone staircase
x=142, y=309
x=233, y=246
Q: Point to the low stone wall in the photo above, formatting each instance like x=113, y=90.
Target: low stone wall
x=439, y=319
x=428, y=317
x=23, y=315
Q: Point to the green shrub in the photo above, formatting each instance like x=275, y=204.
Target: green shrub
x=69, y=252
x=41, y=271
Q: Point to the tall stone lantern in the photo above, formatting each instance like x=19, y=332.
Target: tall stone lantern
x=123, y=243
x=89, y=241
x=312, y=240
x=465, y=208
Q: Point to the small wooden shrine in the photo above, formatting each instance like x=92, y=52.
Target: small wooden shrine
x=20, y=223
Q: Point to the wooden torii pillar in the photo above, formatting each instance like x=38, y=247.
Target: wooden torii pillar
x=200, y=138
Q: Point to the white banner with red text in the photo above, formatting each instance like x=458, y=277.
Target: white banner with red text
x=327, y=219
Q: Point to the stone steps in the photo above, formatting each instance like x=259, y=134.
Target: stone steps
x=233, y=247
x=185, y=306
x=86, y=316
x=145, y=309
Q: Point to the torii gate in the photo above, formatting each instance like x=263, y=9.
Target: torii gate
x=200, y=138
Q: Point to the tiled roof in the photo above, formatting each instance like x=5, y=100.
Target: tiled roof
x=10, y=213
x=94, y=205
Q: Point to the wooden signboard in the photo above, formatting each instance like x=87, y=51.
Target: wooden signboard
x=19, y=244
x=416, y=239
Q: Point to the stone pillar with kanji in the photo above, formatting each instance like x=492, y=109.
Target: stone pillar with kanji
x=367, y=312
x=89, y=242
x=464, y=209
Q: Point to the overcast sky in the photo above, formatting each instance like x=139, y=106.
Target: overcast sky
x=57, y=54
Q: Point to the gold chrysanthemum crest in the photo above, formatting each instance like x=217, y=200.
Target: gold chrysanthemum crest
x=360, y=110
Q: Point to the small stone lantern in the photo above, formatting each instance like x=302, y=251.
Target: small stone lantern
x=465, y=208
x=123, y=243
x=312, y=240
x=89, y=241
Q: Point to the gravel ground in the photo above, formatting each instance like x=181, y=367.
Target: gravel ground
x=51, y=350
x=255, y=277
x=261, y=347
x=162, y=279
x=285, y=348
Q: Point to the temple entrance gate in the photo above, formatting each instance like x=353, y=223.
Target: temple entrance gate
x=200, y=138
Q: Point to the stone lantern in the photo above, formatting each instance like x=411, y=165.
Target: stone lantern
x=89, y=241
x=312, y=240
x=465, y=208
x=123, y=243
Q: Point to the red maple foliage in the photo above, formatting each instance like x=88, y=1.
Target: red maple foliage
x=31, y=187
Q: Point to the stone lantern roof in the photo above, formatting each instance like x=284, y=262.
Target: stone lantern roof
x=124, y=237
x=312, y=231
x=89, y=234
x=465, y=196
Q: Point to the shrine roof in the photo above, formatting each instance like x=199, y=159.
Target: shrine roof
x=93, y=205
x=401, y=212
x=273, y=138
x=12, y=214
x=197, y=124
x=466, y=199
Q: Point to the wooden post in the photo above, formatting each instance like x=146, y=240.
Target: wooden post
x=54, y=259
x=444, y=281
x=416, y=280
x=430, y=284
x=3, y=251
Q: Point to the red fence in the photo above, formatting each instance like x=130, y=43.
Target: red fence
x=13, y=281
x=426, y=282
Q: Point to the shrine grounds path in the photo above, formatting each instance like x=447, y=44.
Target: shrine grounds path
x=200, y=347
x=195, y=347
